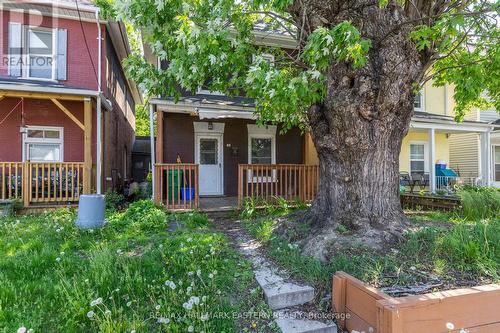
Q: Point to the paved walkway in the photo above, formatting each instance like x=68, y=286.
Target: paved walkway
x=290, y=301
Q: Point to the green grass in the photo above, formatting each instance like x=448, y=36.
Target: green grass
x=457, y=249
x=55, y=277
x=480, y=202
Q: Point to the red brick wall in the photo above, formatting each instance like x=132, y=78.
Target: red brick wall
x=80, y=71
x=42, y=113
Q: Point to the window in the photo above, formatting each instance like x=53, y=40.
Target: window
x=208, y=151
x=417, y=157
x=261, y=150
x=37, y=52
x=43, y=144
x=418, y=102
x=40, y=53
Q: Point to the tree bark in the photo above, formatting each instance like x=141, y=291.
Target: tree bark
x=359, y=128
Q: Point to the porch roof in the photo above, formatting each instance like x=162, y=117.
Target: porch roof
x=447, y=124
x=37, y=88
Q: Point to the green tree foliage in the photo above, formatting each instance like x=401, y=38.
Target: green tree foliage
x=212, y=40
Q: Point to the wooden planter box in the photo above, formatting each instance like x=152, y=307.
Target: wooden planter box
x=476, y=309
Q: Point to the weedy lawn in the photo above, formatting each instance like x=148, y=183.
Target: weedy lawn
x=130, y=276
x=439, y=251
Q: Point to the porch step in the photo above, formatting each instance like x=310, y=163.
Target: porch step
x=280, y=294
x=288, y=323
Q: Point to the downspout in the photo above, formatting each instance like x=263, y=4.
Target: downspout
x=152, y=142
x=99, y=107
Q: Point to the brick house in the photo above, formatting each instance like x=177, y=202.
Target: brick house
x=53, y=90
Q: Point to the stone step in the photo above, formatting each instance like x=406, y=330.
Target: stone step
x=280, y=294
x=290, y=325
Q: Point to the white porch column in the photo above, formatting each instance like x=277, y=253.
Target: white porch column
x=152, y=142
x=432, y=159
x=486, y=158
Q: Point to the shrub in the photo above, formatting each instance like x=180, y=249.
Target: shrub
x=114, y=200
x=13, y=207
x=480, y=202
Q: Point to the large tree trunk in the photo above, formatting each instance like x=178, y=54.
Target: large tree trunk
x=359, y=127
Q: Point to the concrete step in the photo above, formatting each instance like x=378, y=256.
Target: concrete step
x=290, y=325
x=280, y=294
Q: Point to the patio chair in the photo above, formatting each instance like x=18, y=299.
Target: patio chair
x=421, y=179
x=404, y=178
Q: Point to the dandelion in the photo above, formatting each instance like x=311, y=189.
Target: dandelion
x=30, y=330
x=170, y=284
x=90, y=314
x=107, y=312
x=204, y=298
x=187, y=306
x=191, y=329
x=58, y=259
x=61, y=254
x=198, y=272
x=21, y=329
x=190, y=273
x=96, y=302
x=211, y=275
x=157, y=307
x=133, y=331
x=450, y=326
x=86, y=280
x=129, y=303
x=119, y=251
x=58, y=230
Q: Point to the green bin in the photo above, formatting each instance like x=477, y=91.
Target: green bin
x=174, y=181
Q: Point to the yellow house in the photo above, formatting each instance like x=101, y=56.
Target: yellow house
x=432, y=131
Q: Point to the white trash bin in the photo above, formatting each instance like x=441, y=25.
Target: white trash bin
x=91, y=210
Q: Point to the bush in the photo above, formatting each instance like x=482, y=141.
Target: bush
x=114, y=200
x=480, y=202
x=13, y=207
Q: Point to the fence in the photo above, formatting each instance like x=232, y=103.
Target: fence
x=289, y=181
x=176, y=186
x=37, y=182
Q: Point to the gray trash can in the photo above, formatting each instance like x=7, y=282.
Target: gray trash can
x=91, y=211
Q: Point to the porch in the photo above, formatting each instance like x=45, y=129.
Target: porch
x=50, y=149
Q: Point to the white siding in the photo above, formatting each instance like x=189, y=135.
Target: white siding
x=464, y=154
x=489, y=115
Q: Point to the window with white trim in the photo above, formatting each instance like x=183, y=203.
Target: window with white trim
x=417, y=157
x=43, y=144
x=418, y=101
x=40, y=53
x=262, y=150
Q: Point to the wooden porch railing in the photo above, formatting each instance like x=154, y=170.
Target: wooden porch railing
x=55, y=182
x=11, y=180
x=176, y=186
x=35, y=182
x=289, y=181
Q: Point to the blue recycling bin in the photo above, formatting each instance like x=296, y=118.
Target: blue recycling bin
x=187, y=193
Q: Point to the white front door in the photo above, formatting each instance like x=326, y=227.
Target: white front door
x=210, y=159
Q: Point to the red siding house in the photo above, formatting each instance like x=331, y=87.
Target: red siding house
x=54, y=88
